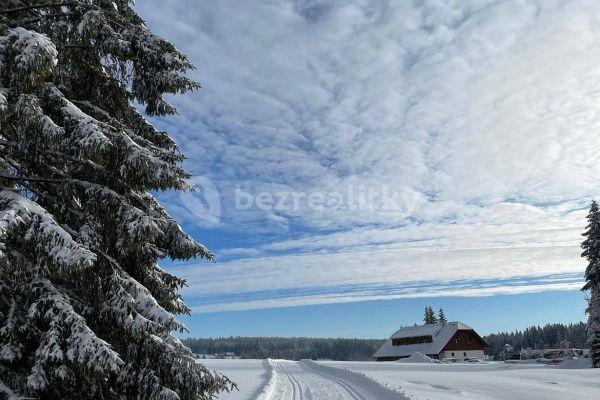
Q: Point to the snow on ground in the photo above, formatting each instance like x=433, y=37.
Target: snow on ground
x=576, y=363
x=494, y=381
x=305, y=380
x=250, y=376
x=417, y=357
x=346, y=380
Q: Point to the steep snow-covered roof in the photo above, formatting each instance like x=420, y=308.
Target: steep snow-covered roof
x=440, y=334
x=427, y=329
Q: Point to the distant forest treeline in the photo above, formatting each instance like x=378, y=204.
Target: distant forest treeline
x=549, y=336
x=288, y=348
x=535, y=337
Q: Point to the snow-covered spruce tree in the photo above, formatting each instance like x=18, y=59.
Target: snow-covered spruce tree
x=85, y=311
x=591, y=251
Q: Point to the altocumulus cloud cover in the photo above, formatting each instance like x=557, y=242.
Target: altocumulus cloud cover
x=484, y=115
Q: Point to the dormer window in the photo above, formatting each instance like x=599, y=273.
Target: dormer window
x=412, y=340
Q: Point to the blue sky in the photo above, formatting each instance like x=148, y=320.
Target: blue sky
x=357, y=160
x=379, y=319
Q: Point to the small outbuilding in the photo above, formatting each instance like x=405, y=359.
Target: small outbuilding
x=453, y=340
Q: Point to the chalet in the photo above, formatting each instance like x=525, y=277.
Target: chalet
x=453, y=340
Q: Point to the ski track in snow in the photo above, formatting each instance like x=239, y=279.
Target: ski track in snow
x=306, y=380
x=355, y=380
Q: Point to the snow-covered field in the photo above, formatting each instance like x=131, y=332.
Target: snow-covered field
x=483, y=381
x=249, y=375
x=337, y=380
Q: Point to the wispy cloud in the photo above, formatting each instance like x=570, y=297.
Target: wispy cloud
x=273, y=299
x=494, y=263
x=485, y=112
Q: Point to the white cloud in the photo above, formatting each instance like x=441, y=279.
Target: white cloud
x=296, y=300
x=383, y=264
x=487, y=112
x=479, y=261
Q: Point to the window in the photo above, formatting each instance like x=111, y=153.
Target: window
x=412, y=340
x=470, y=341
x=464, y=354
x=452, y=354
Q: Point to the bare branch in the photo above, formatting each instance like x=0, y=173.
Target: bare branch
x=41, y=18
x=35, y=6
x=30, y=179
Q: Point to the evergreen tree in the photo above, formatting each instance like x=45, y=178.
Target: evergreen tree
x=593, y=326
x=591, y=251
x=429, y=317
x=442, y=317
x=296, y=348
x=85, y=310
x=535, y=337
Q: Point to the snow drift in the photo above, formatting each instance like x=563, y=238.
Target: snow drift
x=266, y=391
x=417, y=357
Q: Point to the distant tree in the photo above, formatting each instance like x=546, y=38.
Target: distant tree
x=442, y=317
x=288, y=348
x=591, y=251
x=535, y=337
x=434, y=319
x=507, y=352
x=429, y=317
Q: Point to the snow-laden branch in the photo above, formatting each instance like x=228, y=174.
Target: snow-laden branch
x=83, y=347
x=31, y=54
x=38, y=227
